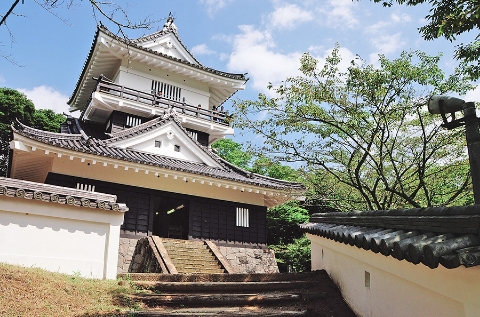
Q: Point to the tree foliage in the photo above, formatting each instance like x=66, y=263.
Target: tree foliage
x=297, y=255
x=449, y=19
x=15, y=105
x=232, y=152
x=291, y=246
x=283, y=221
x=367, y=129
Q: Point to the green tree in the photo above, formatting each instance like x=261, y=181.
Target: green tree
x=297, y=255
x=232, y=152
x=15, y=105
x=367, y=128
x=283, y=221
x=449, y=19
x=291, y=247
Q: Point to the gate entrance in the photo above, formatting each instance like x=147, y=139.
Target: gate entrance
x=171, y=218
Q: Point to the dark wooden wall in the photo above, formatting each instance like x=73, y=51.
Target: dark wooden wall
x=215, y=220
x=209, y=219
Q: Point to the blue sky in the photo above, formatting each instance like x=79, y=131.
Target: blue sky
x=262, y=38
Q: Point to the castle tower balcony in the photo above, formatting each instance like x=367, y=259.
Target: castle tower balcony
x=108, y=97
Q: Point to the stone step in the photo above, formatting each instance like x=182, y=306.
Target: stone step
x=197, y=267
x=159, y=277
x=227, y=299
x=219, y=311
x=185, y=255
x=196, y=260
x=184, y=247
x=196, y=270
x=222, y=287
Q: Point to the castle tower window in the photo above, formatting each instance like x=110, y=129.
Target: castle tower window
x=166, y=90
x=133, y=121
x=242, y=217
x=193, y=134
x=87, y=187
x=158, y=143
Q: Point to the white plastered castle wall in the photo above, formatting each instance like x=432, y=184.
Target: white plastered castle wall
x=59, y=238
x=138, y=76
x=377, y=286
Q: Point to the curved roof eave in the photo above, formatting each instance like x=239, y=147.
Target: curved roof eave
x=131, y=43
x=79, y=143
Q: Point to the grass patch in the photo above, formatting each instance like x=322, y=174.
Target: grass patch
x=36, y=292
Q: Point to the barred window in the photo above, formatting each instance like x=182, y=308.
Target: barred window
x=132, y=121
x=87, y=187
x=242, y=217
x=166, y=90
x=193, y=134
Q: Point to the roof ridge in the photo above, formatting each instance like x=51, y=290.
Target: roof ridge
x=161, y=33
x=22, y=128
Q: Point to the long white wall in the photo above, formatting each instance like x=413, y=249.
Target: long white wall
x=378, y=286
x=59, y=238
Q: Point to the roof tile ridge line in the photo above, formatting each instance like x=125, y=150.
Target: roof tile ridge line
x=199, y=66
x=138, y=128
x=249, y=174
x=84, y=70
x=6, y=181
x=169, y=167
x=168, y=117
x=80, y=129
x=24, y=129
x=161, y=33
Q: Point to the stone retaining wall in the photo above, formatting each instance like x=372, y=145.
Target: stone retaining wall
x=247, y=260
x=125, y=254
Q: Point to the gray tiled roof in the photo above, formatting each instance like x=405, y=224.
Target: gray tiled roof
x=134, y=44
x=81, y=142
x=161, y=33
x=10, y=187
x=432, y=236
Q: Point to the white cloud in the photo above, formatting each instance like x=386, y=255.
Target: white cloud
x=386, y=44
x=339, y=14
x=289, y=16
x=254, y=53
x=201, y=49
x=473, y=95
x=383, y=41
x=213, y=6
x=400, y=18
x=45, y=97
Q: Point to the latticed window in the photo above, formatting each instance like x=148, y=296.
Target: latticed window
x=90, y=188
x=193, y=134
x=242, y=217
x=132, y=121
x=165, y=90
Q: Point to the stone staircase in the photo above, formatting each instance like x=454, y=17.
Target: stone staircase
x=298, y=294
x=192, y=256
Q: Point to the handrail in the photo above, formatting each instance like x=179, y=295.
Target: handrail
x=153, y=100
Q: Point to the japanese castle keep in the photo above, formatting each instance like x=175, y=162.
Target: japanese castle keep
x=149, y=113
